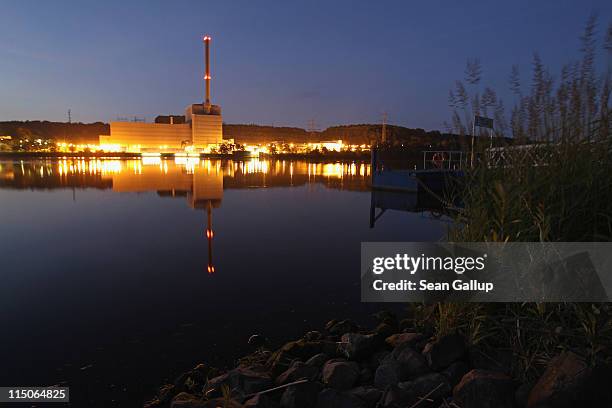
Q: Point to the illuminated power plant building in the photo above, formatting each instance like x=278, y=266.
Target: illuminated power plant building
x=201, y=129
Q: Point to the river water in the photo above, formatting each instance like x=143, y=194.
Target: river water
x=117, y=275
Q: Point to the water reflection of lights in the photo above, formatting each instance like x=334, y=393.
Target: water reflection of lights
x=148, y=161
x=315, y=172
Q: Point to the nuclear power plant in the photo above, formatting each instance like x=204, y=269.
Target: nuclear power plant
x=201, y=129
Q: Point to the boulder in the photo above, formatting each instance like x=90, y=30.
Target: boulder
x=301, y=349
x=426, y=391
x=444, y=351
x=340, y=374
x=297, y=371
x=241, y=381
x=166, y=393
x=521, y=395
x=435, y=386
x=260, y=401
x=413, y=364
x=300, y=395
x=455, y=372
x=376, y=358
x=563, y=383
x=338, y=328
x=186, y=400
x=313, y=335
x=406, y=325
x=369, y=395
x=398, y=339
x=317, y=360
x=222, y=402
x=358, y=346
x=402, y=364
x=330, y=398
x=484, y=389
x=385, y=329
x=366, y=376
x=194, y=379
x=389, y=372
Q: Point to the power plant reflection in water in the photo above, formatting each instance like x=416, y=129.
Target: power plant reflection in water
x=200, y=182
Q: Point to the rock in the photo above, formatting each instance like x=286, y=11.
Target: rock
x=186, y=400
x=455, y=372
x=366, y=376
x=435, y=386
x=242, y=381
x=389, y=372
x=484, y=389
x=317, y=360
x=340, y=374
x=369, y=395
x=398, y=339
x=301, y=349
x=376, y=358
x=444, y=351
x=410, y=393
x=402, y=364
x=406, y=324
x=300, y=395
x=385, y=329
x=413, y=364
x=357, y=346
x=166, y=393
x=339, y=328
x=330, y=398
x=222, y=402
x=297, y=371
x=260, y=401
x=194, y=379
x=313, y=336
x=393, y=397
x=563, y=383
x=522, y=393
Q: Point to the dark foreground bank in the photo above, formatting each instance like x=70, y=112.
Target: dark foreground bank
x=393, y=365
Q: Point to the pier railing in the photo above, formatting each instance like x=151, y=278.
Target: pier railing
x=445, y=159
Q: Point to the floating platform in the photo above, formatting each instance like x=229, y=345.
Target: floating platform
x=414, y=181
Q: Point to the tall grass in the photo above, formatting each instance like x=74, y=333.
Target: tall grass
x=558, y=188
x=547, y=192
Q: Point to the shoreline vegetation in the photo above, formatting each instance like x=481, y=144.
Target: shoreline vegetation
x=31, y=135
x=471, y=355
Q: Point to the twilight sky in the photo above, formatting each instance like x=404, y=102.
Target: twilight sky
x=274, y=62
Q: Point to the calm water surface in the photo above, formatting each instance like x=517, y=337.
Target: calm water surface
x=119, y=274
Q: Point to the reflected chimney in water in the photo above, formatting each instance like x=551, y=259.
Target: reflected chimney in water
x=209, y=237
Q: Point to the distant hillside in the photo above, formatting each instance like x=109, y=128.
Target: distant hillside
x=59, y=131
x=350, y=134
x=244, y=134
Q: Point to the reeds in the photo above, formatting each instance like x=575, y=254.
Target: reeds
x=553, y=182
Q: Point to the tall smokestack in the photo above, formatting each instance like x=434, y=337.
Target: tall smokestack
x=207, y=74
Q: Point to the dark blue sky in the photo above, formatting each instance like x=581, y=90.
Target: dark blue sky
x=274, y=62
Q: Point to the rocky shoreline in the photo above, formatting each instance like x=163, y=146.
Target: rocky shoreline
x=345, y=365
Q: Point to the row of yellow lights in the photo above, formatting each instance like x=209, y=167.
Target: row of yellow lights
x=253, y=166
x=255, y=149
